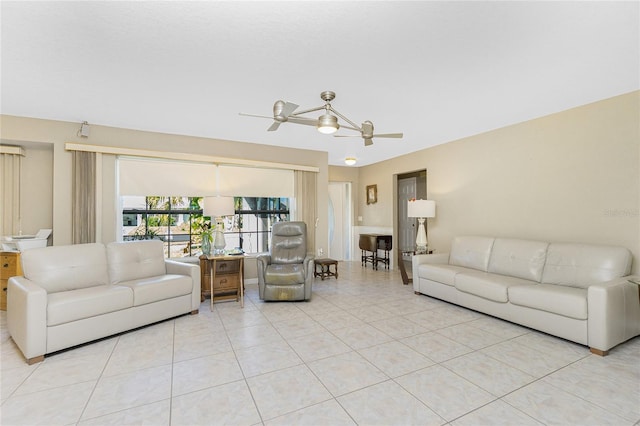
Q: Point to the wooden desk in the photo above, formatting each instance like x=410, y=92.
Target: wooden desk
x=10, y=267
x=224, y=276
x=372, y=243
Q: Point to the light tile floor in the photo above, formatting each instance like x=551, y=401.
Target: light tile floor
x=365, y=350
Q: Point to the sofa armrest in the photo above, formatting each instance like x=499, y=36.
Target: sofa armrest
x=190, y=270
x=27, y=316
x=614, y=313
x=435, y=258
x=421, y=259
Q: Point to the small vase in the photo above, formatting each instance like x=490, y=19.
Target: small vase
x=206, y=245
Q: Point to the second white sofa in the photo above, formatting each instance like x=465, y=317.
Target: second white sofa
x=579, y=292
x=75, y=294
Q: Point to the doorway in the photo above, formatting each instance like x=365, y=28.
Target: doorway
x=410, y=185
x=340, y=221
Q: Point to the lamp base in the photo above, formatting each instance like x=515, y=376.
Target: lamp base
x=218, y=241
x=421, y=237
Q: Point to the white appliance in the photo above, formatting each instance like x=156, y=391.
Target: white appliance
x=26, y=242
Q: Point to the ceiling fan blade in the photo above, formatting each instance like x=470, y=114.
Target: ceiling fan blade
x=388, y=135
x=274, y=126
x=288, y=108
x=302, y=120
x=347, y=136
x=254, y=115
x=368, y=141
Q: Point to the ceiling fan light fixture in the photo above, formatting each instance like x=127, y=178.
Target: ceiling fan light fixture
x=350, y=161
x=328, y=124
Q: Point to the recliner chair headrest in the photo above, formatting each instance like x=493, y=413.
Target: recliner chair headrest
x=289, y=229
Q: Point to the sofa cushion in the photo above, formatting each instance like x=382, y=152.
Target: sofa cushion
x=562, y=300
x=444, y=274
x=68, y=306
x=471, y=252
x=488, y=286
x=581, y=265
x=64, y=268
x=162, y=287
x=284, y=274
x=518, y=258
x=133, y=260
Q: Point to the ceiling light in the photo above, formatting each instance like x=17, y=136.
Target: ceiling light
x=350, y=161
x=328, y=124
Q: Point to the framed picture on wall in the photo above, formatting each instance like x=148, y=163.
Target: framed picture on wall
x=372, y=194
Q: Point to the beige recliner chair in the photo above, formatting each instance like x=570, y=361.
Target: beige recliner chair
x=286, y=273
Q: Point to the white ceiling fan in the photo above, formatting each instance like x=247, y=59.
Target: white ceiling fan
x=326, y=123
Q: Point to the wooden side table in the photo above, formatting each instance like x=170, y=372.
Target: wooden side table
x=224, y=276
x=325, y=268
x=408, y=252
x=10, y=267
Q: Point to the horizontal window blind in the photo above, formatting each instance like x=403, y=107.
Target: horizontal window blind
x=165, y=178
x=141, y=176
x=255, y=182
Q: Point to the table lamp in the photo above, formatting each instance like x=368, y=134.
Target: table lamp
x=421, y=209
x=217, y=207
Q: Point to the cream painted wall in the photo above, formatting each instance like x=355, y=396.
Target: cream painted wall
x=57, y=133
x=37, y=185
x=572, y=176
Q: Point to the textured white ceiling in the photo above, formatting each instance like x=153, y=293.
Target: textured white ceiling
x=437, y=71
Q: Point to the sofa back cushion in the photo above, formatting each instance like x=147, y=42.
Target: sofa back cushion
x=64, y=268
x=581, y=265
x=132, y=260
x=518, y=258
x=471, y=252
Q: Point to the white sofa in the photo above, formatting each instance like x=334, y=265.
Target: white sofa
x=579, y=292
x=74, y=294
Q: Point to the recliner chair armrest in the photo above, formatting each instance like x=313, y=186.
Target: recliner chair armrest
x=263, y=260
x=27, y=316
x=614, y=313
x=308, y=262
x=309, y=268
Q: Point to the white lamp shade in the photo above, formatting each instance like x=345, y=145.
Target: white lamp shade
x=218, y=206
x=421, y=208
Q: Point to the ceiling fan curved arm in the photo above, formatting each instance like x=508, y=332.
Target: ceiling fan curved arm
x=342, y=126
x=354, y=125
x=307, y=111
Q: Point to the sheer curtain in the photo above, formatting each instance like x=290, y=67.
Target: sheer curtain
x=10, y=191
x=306, y=210
x=83, y=208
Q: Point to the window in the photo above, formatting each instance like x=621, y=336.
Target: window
x=178, y=222
x=255, y=216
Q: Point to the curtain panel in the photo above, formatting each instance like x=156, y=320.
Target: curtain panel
x=10, y=193
x=83, y=209
x=305, y=190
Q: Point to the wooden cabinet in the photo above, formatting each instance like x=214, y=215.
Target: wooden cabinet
x=222, y=278
x=10, y=268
